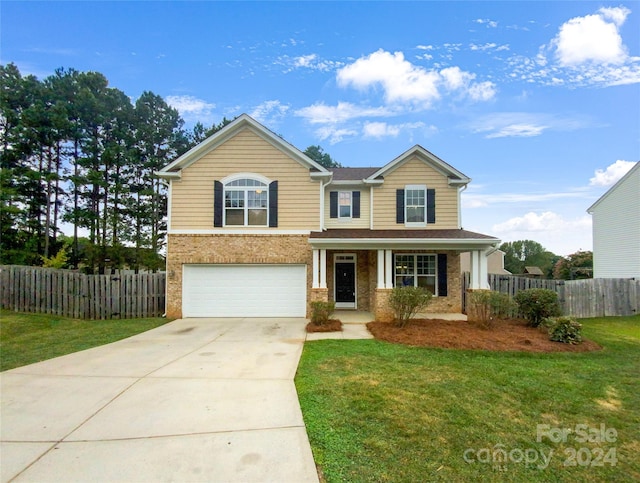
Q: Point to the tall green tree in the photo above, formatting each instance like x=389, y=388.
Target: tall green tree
x=319, y=156
x=158, y=137
x=527, y=253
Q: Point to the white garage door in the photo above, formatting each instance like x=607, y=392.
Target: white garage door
x=244, y=290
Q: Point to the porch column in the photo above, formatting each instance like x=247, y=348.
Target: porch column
x=381, y=269
x=314, y=269
x=388, y=280
x=323, y=268
x=479, y=271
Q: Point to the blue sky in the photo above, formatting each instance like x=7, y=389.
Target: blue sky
x=537, y=102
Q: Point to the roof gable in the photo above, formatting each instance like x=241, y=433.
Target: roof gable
x=622, y=180
x=244, y=121
x=454, y=176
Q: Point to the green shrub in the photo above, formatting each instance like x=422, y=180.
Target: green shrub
x=536, y=304
x=487, y=306
x=565, y=329
x=321, y=311
x=407, y=302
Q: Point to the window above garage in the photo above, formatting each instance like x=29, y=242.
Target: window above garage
x=245, y=200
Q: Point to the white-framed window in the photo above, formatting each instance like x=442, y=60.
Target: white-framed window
x=417, y=270
x=415, y=205
x=246, y=202
x=344, y=204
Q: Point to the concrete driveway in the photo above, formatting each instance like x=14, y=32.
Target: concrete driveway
x=193, y=400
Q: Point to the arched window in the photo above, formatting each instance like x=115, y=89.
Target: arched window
x=246, y=202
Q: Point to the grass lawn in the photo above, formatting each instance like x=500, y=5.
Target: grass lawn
x=28, y=338
x=377, y=411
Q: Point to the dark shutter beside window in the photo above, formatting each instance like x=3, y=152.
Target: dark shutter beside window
x=431, y=206
x=355, y=208
x=218, y=191
x=442, y=274
x=273, y=204
x=333, y=204
x=399, y=206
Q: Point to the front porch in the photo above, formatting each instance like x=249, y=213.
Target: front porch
x=359, y=272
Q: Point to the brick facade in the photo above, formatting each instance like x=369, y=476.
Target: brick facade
x=220, y=249
x=294, y=249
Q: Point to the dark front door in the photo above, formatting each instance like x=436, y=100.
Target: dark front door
x=345, y=283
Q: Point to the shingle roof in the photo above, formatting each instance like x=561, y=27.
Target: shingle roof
x=410, y=234
x=352, y=174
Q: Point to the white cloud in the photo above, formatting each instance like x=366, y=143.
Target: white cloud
x=610, y=175
x=382, y=129
x=586, y=51
x=424, y=47
x=483, y=91
x=400, y=80
x=592, y=38
x=334, y=134
x=522, y=124
x=309, y=61
x=344, y=111
x=455, y=78
x=192, y=109
x=269, y=112
x=487, y=22
x=486, y=46
x=404, y=82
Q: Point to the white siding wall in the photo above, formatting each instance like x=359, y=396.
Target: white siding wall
x=616, y=231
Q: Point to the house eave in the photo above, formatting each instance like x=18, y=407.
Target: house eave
x=168, y=175
x=406, y=243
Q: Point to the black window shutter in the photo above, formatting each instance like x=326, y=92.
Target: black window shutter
x=355, y=209
x=442, y=274
x=399, y=206
x=273, y=204
x=218, y=191
x=431, y=206
x=333, y=204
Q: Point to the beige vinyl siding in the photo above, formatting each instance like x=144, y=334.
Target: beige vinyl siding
x=246, y=152
x=414, y=171
x=362, y=222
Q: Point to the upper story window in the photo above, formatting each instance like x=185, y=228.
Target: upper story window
x=344, y=204
x=246, y=203
x=415, y=204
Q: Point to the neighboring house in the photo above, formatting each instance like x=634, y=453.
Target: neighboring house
x=258, y=229
x=616, y=229
x=533, y=272
x=495, y=263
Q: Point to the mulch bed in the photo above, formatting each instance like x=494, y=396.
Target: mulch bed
x=505, y=335
x=333, y=325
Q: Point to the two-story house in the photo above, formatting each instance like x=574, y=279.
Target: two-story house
x=258, y=229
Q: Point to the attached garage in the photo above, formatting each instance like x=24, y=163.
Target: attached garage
x=244, y=290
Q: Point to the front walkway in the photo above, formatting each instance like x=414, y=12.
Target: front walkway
x=193, y=400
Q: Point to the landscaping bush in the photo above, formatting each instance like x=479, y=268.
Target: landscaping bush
x=565, y=329
x=537, y=304
x=407, y=302
x=485, y=306
x=321, y=311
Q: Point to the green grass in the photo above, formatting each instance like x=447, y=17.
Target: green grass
x=376, y=411
x=28, y=338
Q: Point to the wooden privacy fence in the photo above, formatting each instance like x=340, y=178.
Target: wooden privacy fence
x=72, y=294
x=598, y=297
